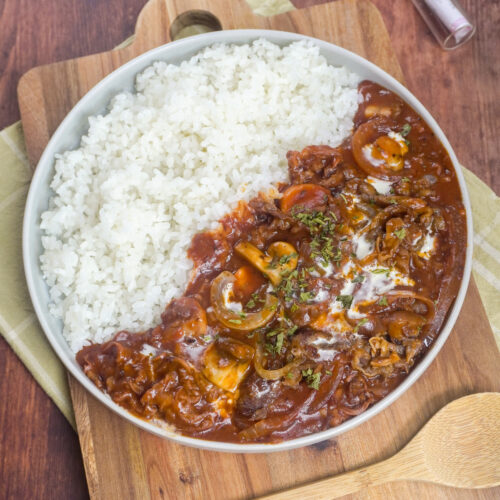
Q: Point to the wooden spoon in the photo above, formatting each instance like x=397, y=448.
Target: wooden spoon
x=459, y=446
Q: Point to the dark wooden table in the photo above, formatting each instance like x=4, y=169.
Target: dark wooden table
x=39, y=451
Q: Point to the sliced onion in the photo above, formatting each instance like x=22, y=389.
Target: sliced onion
x=400, y=322
x=273, y=374
x=366, y=135
x=408, y=294
x=247, y=321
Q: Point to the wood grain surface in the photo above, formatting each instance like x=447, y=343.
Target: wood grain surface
x=39, y=455
x=155, y=469
x=459, y=446
x=123, y=462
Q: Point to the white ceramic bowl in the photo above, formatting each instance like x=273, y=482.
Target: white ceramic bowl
x=68, y=136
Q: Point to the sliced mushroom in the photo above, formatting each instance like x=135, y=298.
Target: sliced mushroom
x=281, y=259
x=226, y=365
x=221, y=292
x=377, y=149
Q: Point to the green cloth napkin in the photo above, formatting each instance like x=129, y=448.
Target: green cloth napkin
x=19, y=325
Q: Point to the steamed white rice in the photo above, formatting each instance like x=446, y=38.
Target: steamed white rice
x=167, y=162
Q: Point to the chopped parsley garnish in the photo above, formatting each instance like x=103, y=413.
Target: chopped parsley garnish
x=406, y=129
x=321, y=227
x=316, y=221
x=250, y=303
x=345, y=300
x=361, y=323
x=393, y=202
x=405, y=179
x=328, y=372
x=242, y=315
x=289, y=375
x=381, y=270
x=305, y=296
x=382, y=301
x=338, y=255
x=253, y=300
x=343, y=197
x=279, y=342
x=312, y=379
x=207, y=338
x=359, y=279
x=400, y=233
x=286, y=258
x=235, y=321
x=327, y=252
x=287, y=329
x=273, y=264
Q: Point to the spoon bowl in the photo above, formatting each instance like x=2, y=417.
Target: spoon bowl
x=459, y=447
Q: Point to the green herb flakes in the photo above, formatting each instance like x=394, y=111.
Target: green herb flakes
x=338, y=255
x=279, y=342
x=254, y=299
x=287, y=258
x=360, y=324
x=400, y=233
x=312, y=379
x=406, y=129
x=382, y=301
x=381, y=270
x=250, y=303
x=345, y=300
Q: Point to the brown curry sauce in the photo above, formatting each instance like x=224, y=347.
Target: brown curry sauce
x=300, y=372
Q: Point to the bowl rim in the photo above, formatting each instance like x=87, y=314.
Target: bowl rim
x=198, y=42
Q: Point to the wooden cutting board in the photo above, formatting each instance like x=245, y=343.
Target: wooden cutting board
x=124, y=462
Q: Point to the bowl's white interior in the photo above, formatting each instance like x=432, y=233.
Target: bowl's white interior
x=68, y=136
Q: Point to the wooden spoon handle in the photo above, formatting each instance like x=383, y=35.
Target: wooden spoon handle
x=337, y=486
